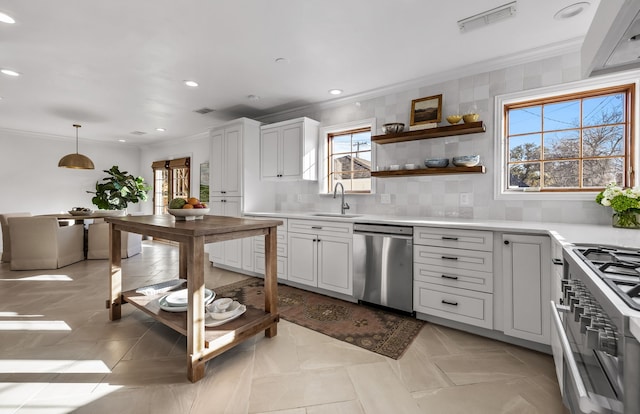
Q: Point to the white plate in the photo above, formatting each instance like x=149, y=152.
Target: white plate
x=209, y=322
x=179, y=297
x=220, y=315
x=164, y=305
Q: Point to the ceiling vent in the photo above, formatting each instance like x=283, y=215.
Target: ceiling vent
x=488, y=17
x=204, y=110
x=137, y=133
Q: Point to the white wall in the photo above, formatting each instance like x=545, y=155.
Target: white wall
x=31, y=181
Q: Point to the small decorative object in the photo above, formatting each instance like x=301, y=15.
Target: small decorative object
x=410, y=166
x=436, y=163
x=468, y=118
x=454, y=119
x=80, y=211
x=189, y=209
x=393, y=128
x=466, y=161
x=118, y=190
x=426, y=111
x=394, y=167
x=625, y=202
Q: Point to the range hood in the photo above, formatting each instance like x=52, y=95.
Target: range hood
x=612, y=43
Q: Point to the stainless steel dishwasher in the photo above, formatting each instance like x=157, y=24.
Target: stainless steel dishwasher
x=383, y=265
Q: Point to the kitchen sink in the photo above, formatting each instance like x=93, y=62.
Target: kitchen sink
x=335, y=215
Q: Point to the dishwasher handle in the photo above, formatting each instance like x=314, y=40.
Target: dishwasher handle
x=393, y=236
x=384, y=230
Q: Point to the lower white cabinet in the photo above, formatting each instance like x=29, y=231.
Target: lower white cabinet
x=526, y=268
x=318, y=259
x=228, y=252
x=461, y=305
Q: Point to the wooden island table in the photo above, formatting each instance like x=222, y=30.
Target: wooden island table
x=203, y=343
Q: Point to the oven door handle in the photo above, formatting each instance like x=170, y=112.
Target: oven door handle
x=587, y=404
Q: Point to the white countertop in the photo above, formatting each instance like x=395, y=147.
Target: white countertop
x=564, y=233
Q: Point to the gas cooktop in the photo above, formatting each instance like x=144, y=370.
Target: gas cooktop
x=618, y=267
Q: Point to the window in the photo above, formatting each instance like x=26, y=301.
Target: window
x=170, y=180
x=573, y=142
x=349, y=160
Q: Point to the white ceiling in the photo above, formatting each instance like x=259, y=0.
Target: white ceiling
x=117, y=66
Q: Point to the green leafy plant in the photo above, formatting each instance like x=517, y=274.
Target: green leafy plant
x=118, y=190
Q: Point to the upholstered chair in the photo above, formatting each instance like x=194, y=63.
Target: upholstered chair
x=98, y=242
x=41, y=243
x=6, y=239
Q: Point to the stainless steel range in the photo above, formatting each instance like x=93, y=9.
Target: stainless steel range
x=600, y=357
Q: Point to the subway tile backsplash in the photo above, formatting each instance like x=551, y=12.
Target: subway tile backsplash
x=438, y=196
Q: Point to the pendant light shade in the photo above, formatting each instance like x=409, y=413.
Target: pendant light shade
x=77, y=160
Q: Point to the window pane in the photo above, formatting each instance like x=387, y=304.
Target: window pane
x=562, y=115
x=558, y=174
x=599, y=173
x=562, y=144
x=341, y=143
x=603, y=141
x=361, y=142
x=524, y=175
x=345, y=179
x=602, y=110
x=341, y=165
x=524, y=148
x=525, y=120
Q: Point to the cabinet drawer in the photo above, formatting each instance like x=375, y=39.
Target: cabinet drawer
x=461, y=305
x=281, y=249
x=259, y=265
x=457, y=238
x=454, y=258
x=458, y=278
x=327, y=228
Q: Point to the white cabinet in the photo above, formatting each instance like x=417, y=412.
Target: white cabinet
x=453, y=274
x=288, y=150
x=281, y=252
x=228, y=252
x=225, y=166
x=526, y=267
x=321, y=255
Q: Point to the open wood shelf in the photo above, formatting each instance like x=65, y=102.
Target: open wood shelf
x=478, y=169
x=439, y=132
x=230, y=333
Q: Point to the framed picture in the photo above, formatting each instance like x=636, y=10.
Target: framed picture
x=426, y=110
x=204, y=182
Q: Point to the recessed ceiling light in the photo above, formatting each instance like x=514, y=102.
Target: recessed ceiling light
x=122, y=140
x=5, y=18
x=335, y=91
x=160, y=129
x=571, y=10
x=191, y=83
x=10, y=72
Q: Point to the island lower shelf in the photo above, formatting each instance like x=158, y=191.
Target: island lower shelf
x=478, y=169
x=218, y=338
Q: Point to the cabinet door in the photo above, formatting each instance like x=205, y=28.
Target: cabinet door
x=303, y=258
x=291, y=151
x=526, y=284
x=335, y=265
x=269, y=167
x=247, y=254
x=232, y=175
x=217, y=164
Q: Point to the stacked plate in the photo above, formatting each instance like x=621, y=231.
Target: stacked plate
x=177, y=301
x=222, y=311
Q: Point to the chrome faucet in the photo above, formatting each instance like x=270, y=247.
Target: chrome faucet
x=343, y=205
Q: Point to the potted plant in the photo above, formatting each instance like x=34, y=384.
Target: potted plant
x=625, y=202
x=119, y=189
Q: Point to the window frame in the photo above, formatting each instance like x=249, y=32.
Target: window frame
x=548, y=94
x=323, y=166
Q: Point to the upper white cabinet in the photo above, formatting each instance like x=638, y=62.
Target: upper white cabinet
x=288, y=150
x=226, y=160
x=526, y=266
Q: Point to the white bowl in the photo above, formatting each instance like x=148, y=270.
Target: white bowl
x=466, y=161
x=182, y=214
x=221, y=305
x=80, y=212
x=233, y=308
x=394, y=167
x=410, y=166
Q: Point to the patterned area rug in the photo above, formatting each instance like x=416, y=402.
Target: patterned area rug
x=383, y=332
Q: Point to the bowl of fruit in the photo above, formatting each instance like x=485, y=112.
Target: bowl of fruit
x=187, y=209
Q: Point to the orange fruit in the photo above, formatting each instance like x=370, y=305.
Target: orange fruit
x=187, y=206
x=193, y=201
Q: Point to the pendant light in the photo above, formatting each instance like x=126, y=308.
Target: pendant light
x=77, y=160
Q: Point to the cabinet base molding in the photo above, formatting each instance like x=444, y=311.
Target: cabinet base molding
x=487, y=333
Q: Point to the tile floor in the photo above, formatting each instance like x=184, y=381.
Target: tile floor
x=60, y=354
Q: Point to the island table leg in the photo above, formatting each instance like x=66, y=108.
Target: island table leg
x=194, y=253
x=115, y=274
x=271, y=279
